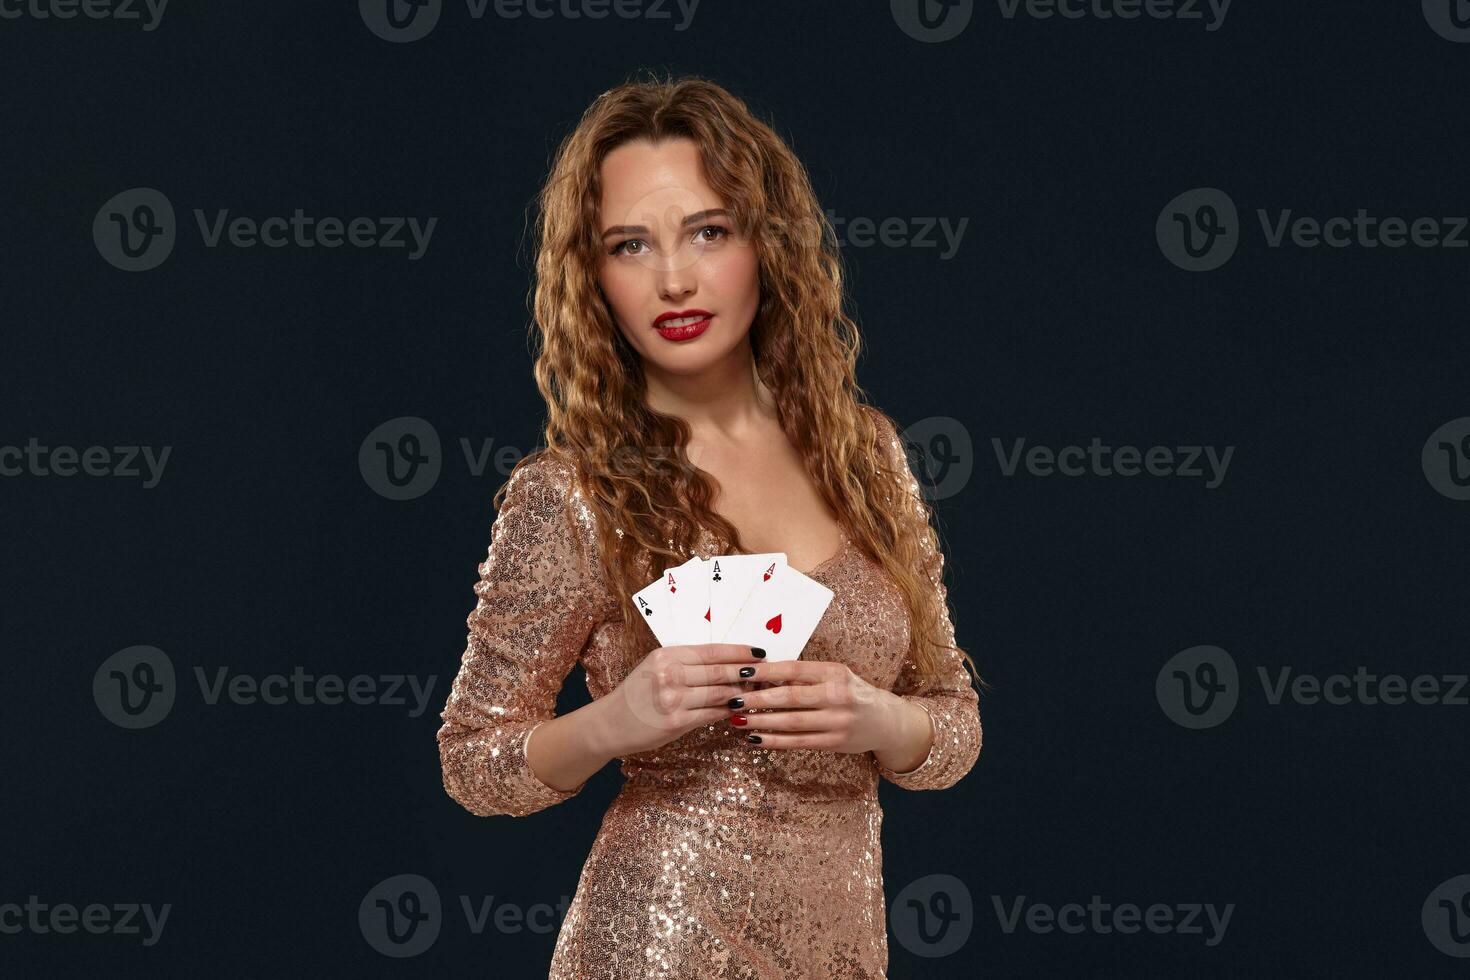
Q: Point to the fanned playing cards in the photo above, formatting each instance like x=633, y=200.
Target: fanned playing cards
x=756, y=600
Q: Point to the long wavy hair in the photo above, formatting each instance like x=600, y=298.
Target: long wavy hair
x=630, y=460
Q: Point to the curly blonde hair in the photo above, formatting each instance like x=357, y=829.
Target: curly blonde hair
x=630, y=460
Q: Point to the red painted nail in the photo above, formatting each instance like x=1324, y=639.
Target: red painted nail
x=737, y=719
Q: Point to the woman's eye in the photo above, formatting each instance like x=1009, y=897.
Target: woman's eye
x=622, y=247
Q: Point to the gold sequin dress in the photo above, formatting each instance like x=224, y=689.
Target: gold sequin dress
x=717, y=858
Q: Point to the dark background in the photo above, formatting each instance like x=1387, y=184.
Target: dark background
x=263, y=548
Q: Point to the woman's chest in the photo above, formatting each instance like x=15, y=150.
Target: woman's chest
x=866, y=626
x=774, y=505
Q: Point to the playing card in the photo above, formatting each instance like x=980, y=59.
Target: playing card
x=780, y=614
x=672, y=604
x=691, y=600
x=731, y=577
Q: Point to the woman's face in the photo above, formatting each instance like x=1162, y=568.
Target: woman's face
x=667, y=247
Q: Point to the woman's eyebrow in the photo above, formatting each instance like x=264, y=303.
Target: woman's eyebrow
x=694, y=218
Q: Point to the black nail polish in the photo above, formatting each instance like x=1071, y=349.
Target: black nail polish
x=736, y=702
x=757, y=652
x=752, y=738
x=747, y=671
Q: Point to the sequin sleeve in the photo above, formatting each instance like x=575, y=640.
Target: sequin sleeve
x=951, y=702
x=531, y=620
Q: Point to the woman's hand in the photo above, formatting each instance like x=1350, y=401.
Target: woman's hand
x=823, y=705
x=671, y=691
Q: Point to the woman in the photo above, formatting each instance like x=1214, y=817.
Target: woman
x=698, y=372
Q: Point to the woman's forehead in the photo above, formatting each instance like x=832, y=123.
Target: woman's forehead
x=654, y=186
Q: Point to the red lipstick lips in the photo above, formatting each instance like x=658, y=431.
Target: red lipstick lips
x=679, y=325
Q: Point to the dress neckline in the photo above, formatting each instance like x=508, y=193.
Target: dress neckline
x=841, y=551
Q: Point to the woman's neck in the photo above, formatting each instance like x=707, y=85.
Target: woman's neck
x=726, y=399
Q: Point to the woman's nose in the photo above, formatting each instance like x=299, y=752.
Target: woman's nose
x=675, y=286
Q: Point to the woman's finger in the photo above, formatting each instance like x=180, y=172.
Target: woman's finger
x=793, y=740
x=716, y=697
x=789, y=697
x=816, y=720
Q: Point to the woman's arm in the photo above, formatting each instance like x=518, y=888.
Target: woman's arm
x=951, y=704
x=569, y=749
x=912, y=740
x=535, y=610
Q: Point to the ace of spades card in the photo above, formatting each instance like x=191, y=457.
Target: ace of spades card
x=676, y=605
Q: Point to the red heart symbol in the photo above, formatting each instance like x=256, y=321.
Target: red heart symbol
x=774, y=623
